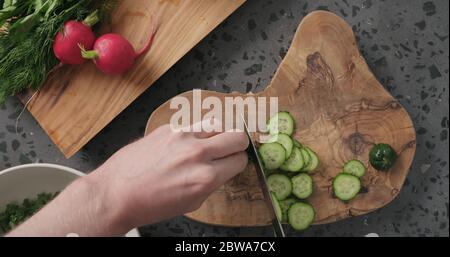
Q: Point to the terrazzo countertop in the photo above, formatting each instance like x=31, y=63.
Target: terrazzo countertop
x=405, y=43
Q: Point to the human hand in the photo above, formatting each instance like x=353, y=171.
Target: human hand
x=163, y=175
x=170, y=173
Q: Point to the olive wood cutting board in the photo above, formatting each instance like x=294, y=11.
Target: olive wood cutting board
x=77, y=102
x=340, y=109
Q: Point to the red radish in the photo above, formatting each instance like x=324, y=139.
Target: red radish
x=74, y=33
x=113, y=54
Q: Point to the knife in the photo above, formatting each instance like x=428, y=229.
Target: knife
x=253, y=154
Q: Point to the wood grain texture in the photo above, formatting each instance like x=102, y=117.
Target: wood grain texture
x=77, y=102
x=341, y=110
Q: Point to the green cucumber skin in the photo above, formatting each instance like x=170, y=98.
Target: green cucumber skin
x=382, y=157
x=302, y=186
x=314, y=162
x=337, y=187
x=301, y=216
x=295, y=163
x=306, y=156
x=297, y=143
x=277, y=207
x=355, y=168
x=286, y=142
x=274, y=181
x=285, y=205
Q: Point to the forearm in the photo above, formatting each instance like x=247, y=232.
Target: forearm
x=83, y=208
x=163, y=175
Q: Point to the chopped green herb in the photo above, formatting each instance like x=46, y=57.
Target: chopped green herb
x=15, y=213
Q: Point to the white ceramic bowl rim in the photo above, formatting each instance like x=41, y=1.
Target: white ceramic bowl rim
x=43, y=165
x=132, y=233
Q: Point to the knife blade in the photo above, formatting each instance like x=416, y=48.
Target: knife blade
x=253, y=154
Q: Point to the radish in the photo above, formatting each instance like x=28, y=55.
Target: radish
x=73, y=34
x=113, y=54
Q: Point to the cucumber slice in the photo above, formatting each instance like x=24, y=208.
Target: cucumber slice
x=302, y=186
x=306, y=156
x=346, y=186
x=280, y=185
x=297, y=143
x=273, y=155
x=301, y=216
x=313, y=163
x=286, y=142
x=295, y=162
x=277, y=207
x=281, y=122
x=355, y=168
x=285, y=205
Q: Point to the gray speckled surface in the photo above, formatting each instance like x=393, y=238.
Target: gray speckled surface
x=405, y=43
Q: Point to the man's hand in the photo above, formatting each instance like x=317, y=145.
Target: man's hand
x=163, y=175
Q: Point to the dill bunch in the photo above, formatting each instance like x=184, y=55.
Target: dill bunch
x=26, y=54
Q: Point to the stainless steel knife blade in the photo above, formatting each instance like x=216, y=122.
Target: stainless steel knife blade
x=253, y=154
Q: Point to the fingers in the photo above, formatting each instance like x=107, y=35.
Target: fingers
x=228, y=167
x=225, y=144
x=206, y=128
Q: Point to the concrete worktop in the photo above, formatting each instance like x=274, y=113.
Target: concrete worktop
x=405, y=43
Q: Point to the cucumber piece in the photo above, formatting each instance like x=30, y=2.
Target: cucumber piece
x=277, y=207
x=297, y=143
x=346, y=186
x=306, y=156
x=280, y=185
x=355, y=168
x=273, y=155
x=281, y=122
x=285, y=205
x=302, y=186
x=313, y=163
x=301, y=216
x=286, y=142
x=295, y=162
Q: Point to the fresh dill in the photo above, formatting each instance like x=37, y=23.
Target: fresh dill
x=27, y=29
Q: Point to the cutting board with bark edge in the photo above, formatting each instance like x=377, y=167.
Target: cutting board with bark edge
x=340, y=109
x=77, y=102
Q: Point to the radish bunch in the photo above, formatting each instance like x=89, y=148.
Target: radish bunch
x=71, y=36
x=111, y=53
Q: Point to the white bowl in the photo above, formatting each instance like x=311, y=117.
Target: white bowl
x=27, y=181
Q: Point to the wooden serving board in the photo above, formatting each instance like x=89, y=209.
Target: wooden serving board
x=77, y=102
x=340, y=109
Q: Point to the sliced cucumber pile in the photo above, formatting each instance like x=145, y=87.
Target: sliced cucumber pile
x=347, y=184
x=287, y=163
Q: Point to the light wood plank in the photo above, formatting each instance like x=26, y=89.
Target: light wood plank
x=77, y=102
